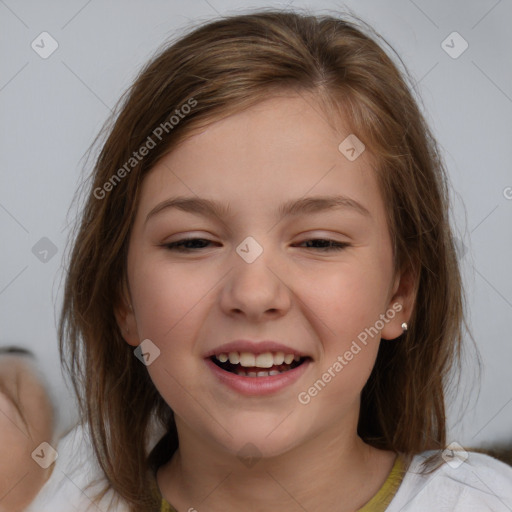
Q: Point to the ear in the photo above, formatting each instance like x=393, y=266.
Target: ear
x=403, y=298
x=125, y=317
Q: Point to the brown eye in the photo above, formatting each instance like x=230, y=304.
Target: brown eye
x=187, y=244
x=324, y=244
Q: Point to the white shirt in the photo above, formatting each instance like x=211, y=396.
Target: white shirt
x=480, y=484
x=75, y=468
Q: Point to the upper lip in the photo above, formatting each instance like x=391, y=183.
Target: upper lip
x=254, y=347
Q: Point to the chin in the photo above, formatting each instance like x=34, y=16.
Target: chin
x=259, y=438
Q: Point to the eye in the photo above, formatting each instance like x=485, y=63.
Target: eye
x=185, y=244
x=326, y=244
x=195, y=244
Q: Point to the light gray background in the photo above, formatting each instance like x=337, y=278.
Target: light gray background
x=52, y=108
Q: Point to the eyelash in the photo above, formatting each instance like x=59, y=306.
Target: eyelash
x=334, y=245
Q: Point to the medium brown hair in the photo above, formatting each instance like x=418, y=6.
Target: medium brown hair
x=226, y=66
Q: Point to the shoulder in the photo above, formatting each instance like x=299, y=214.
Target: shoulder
x=470, y=482
x=74, y=471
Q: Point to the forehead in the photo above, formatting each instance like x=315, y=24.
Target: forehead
x=281, y=148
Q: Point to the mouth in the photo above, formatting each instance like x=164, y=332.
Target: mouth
x=250, y=365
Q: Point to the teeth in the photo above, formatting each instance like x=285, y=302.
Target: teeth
x=247, y=359
x=279, y=358
x=234, y=357
x=271, y=373
x=265, y=360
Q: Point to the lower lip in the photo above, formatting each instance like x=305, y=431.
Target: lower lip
x=253, y=386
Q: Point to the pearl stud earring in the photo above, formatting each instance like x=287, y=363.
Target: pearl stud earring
x=404, y=326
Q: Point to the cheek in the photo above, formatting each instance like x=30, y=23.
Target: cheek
x=344, y=306
x=169, y=302
x=165, y=298
x=347, y=299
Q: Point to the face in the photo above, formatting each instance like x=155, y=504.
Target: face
x=307, y=279
x=26, y=420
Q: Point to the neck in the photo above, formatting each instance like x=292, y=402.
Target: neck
x=331, y=468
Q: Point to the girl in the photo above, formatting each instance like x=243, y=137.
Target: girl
x=264, y=273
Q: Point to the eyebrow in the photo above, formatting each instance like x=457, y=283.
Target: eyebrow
x=210, y=208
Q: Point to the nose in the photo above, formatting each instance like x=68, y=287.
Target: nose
x=256, y=290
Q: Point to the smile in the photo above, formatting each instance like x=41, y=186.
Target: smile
x=247, y=364
x=257, y=374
